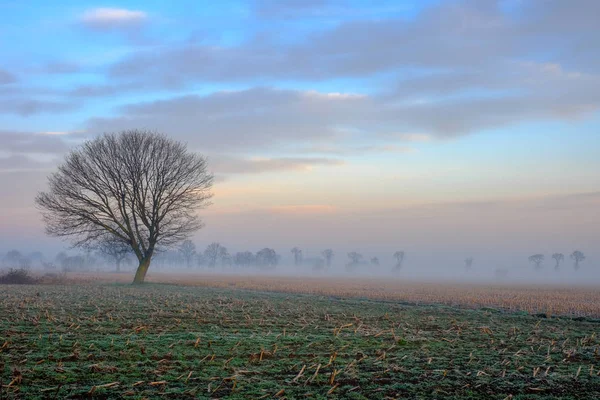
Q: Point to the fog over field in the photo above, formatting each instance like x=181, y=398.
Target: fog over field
x=443, y=129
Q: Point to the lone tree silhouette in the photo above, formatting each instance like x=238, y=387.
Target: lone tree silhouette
x=142, y=188
x=328, y=256
x=578, y=257
x=558, y=257
x=399, y=256
x=468, y=263
x=537, y=260
x=297, y=255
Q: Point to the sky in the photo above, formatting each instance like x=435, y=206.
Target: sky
x=436, y=127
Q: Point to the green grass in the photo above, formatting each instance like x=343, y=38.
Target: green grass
x=160, y=341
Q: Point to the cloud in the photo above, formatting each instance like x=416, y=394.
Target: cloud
x=27, y=143
x=112, y=18
x=258, y=118
x=341, y=149
x=412, y=137
x=27, y=107
x=6, y=77
x=270, y=118
x=328, y=10
x=304, y=209
x=20, y=163
x=354, y=48
x=457, y=68
x=232, y=165
x=61, y=67
x=288, y=8
x=105, y=90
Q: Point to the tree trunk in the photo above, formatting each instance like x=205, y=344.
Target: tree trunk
x=142, y=269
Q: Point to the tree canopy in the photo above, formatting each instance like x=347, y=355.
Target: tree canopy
x=140, y=188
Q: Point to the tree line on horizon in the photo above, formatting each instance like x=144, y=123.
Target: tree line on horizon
x=215, y=255
x=538, y=259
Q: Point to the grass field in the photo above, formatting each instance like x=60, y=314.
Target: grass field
x=551, y=300
x=167, y=341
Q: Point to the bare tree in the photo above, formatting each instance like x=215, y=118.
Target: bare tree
x=140, y=187
x=558, y=257
x=318, y=264
x=355, y=260
x=36, y=257
x=188, y=252
x=73, y=263
x=328, y=256
x=15, y=259
x=537, y=260
x=375, y=261
x=200, y=259
x=244, y=258
x=297, y=256
x=60, y=258
x=578, y=257
x=225, y=257
x=114, y=248
x=214, y=253
x=399, y=256
x=468, y=263
x=267, y=258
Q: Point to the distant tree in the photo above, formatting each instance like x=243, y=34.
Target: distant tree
x=114, y=249
x=15, y=259
x=355, y=260
x=468, y=263
x=13, y=256
x=36, y=257
x=399, y=256
x=142, y=187
x=50, y=266
x=244, y=258
x=537, y=260
x=267, y=258
x=297, y=256
x=187, y=249
x=558, y=257
x=225, y=257
x=374, y=261
x=61, y=257
x=214, y=253
x=90, y=261
x=578, y=257
x=200, y=259
x=74, y=263
x=168, y=258
x=318, y=264
x=328, y=256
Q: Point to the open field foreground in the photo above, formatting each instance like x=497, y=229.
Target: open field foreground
x=575, y=301
x=163, y=341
